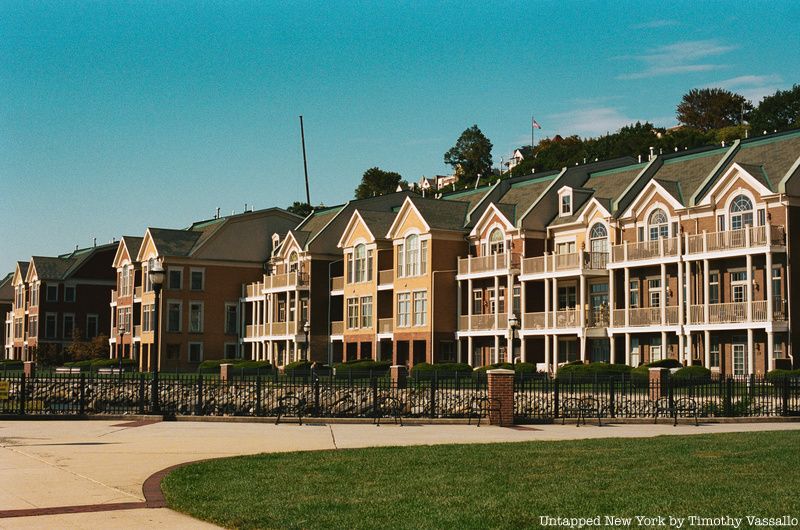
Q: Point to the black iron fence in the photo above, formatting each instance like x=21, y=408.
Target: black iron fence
x=536, y=397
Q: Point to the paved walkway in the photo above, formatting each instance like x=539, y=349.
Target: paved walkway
x=57, y=464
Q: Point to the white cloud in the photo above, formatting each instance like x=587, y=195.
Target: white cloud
x=752, y=87
x=652, y=24
x=678, y=58
x=590, y=121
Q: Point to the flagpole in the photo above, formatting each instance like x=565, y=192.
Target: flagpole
x=531, y=132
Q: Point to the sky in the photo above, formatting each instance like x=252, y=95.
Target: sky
x=116, y=116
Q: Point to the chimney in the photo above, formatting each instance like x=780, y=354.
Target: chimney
x=217, y=217
x=652, y=155
x=94, y=241
x=640, y=159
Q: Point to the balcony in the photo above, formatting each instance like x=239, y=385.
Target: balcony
x=385, y=325
x=646, y=316
x=137, y=331
x=597, y=317
x=488, y=264
x=137, y=292
x=337, y=283
x=572, y=262
x=113, y=296
x=484, y=322
x=736, y=312
x=385, y=279
x=283, y=328
x=732, y=240
x=288, y=280
x=646, y=250
x=535, y=320
x=254, y=289
x=337, y=328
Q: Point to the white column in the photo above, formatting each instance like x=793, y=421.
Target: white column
x=582, y=339
x=749, y=260
x=770, y=350
x=627, y=295
x=469, y=314
x=523, y=354
x=522, y=304
x=546, y=302
x=496, y=348
x=681, y=301
x=751, y=353
x=296, y=312
x=611, y=297
x=496, y=303
x=612, y=349
x=663, y=293
x=555, y=302
x=689, y=288
x=707, y=348
x=459, y=304
x=469, y=351
x=705, y=290
x=664, y=354
x=547, y=360
x=459, y=358
x=582, y=302
x=768, y=286
x=555, y=352
x=628, y=349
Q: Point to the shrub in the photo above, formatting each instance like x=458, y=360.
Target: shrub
x=442, y=367
x=641, y=374
x=525, y=368
x=691, y=374
x=665, y=363
x=11, y=364
x=297, y=366
x=495, y=366
x=363, y=365
x=94, y=364
x=590, y=371
x=779, y=375
x=212, y=365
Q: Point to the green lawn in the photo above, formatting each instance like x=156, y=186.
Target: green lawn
x=496, y=485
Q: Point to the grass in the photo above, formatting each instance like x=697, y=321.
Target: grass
x=496, y=485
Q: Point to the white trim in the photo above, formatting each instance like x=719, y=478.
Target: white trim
x=180, y=316
x=200, y=270
x=490, y=211
x=401, y=217
x=351, y=225
x=64, y=325
x=650, y=190
x=170, y=269
x=728, y=180
x=189, y=352
x=202, y=316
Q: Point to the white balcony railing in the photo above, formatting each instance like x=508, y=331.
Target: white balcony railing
x=337, y=283
x=493, y=262
x=574, y=261
x=385, y=325
x=643, y=250
x=337, y=327
x=386, y=277
x=744, y=238
x=535, y=320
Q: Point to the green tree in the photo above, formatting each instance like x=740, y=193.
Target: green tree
x=376, y=181
x=300, y=208
x=712, y=108
x=780, y=111
x=471, y=156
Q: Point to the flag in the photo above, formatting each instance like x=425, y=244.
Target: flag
x=535, y=124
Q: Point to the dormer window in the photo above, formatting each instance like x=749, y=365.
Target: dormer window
x=566, y=202
x=293, y=262
x=359, y=265
x=658, y=225
x=496, y=242
x=412, y=257
x=741, y=212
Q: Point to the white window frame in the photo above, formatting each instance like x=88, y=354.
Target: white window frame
x=189, y=352
x=654, y=293
x=739, y=357
x=202, y=272
x=565, y=203
x=179, y=303
x=202, y=315
x=225, y=318
x=64, y=325
x=352, y=317
x=366, y=320
x=170, y=270
x=419, y=295
x=404, y=317
x=738, y=286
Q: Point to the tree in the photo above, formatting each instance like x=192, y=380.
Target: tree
x=300, y=208
x=471, y=156
x=376, y=181
x=81, y=349
x=780, y=111
x=712, y=108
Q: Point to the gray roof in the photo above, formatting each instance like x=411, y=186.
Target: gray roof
x=133, y=244
x=769, y=159
x=378, y=222
x=172, y=242
x=442, y=215
x=523, y=193
x=690, y=170
x=6, y=289
x=49, y=268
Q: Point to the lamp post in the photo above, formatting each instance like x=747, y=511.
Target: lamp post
x=156, y=273
x=513, y=325
x=120, y=347
x=306, y=330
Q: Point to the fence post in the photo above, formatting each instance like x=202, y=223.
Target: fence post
x=433, y=396
x=611, y=398
x=258, y=394
x=375, y=407
x=316, y=396
x=154, y=406
x=23, y=390
x=555, y=398
x=785, y=396
x=501, y=392
x=141, y=393
x=198, y=406
x=729, y=397
x=82, y=402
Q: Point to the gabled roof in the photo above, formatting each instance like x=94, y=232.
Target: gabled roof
x=20, y=272
x=442, y=215
x=524, y=192
x=6, y=288
x=49, y=268
x=172, y=242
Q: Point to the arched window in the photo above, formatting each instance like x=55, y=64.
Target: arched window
x=496, y=242
x=293, y=259
x=658, y=224
x=741, y=212
x=412, y=255
x=360, y=263
x=598, y=239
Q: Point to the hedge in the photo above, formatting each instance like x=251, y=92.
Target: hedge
x=641, y=374
x=94, y=364
x=775, y=376
x=362, y=365
x=442, y=367
x=591, y=370
x=495, y=366
x=691, y=374
x=212, y=365
x=240, y=366
x=11, y=364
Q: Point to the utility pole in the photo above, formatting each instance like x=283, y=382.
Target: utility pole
x=305, y=162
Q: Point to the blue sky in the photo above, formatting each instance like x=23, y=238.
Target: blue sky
x=115, y=116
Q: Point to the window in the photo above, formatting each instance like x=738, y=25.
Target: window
x=721, y=223
x=762, y=217
x=197, y=280
x=292, y=311
x=360, y=264
x=566, y=204
x=352, y=313
x=492, y=302
x=147, y=318
x=741, y=212
x=52, y=293
x=350, y=269
x=635, y=356
x=654, y=290
x=658, y=224
x=412, y=255
x=640, y=233
x=403, y=309
x=777, y=292
x=713, y=287
x=173, y=351
x=50, y=326
x=598, y=237
x=778, y=351
x=304, y=309
x=496, y=243
x=366, y=311
x=598, y=295
x=567, y=247
x=231, y=318
x=92, y=324
x=146, y=275
x=633, y=300
x=33, y=326
x=195, y=317
x=174, y=316
x=477, y=302
x=231, y=350
x=195, y=352
x=400, y=259
x=420, y=307
x=69, y=293
x=19, y=296
x=175, y=279
x=738, y=286
x=739, y=364
x=293, y=261
x=69, y=325
x=566, y=297
x=714, y=352
x=655, y=349
x=515, y=307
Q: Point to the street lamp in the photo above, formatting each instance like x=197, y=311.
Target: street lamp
x=156, y=273
x=513, y=326
x=306, y=330
x=120, y=347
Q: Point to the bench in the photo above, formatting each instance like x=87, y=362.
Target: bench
x=290, y=405
x=674, y=407
x=388, y=406
x=580, y=408
x=483, y=405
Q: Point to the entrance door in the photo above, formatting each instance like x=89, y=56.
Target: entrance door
x=739, y=359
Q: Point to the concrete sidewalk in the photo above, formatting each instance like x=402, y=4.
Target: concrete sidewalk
x=70, y=463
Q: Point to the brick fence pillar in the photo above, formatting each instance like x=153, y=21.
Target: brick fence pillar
x=29, y=368
x=399, y=374
x=658, y=382
x=501, y=396
x=225, y=372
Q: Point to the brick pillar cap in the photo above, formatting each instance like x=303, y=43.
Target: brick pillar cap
x=500, y=371
x=651, y=370
x=225, y=364
x=399, y=366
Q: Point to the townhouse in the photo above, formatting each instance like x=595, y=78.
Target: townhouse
x=59, y=299
x=205, y=266
x=6, y=300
